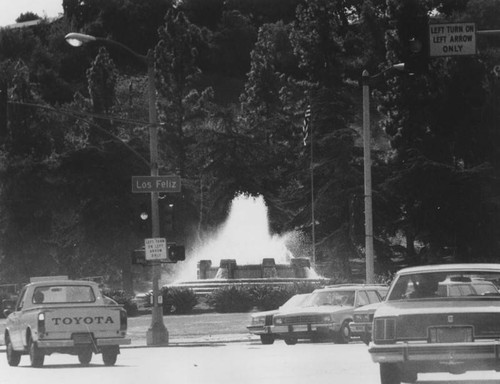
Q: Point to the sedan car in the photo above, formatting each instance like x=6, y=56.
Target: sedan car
x=422, y=327
x=326, y=314
x=361, y=325
x=262, y=322
x=362, y=318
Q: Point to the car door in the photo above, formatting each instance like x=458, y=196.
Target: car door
x=14, y=323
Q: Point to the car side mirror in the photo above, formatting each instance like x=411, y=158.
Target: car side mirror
x=7, y=312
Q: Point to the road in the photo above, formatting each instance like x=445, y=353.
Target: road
x=215, y=348
x=222, y=363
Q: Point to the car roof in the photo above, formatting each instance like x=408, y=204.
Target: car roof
x=450, y=268
x=342, y=287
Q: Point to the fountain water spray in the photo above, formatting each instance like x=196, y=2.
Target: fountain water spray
x=245, y=237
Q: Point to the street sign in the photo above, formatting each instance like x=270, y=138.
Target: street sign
x=155, y=248
x=147, y=184
x=454, y=39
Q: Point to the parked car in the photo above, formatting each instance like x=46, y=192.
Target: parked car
x=362, y=318
x=326, y=313
x=143, y=301
x=262, y=322
x=425, y=326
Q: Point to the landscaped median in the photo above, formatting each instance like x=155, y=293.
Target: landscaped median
x=185, y=329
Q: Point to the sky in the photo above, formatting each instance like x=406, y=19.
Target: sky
x=11, y=9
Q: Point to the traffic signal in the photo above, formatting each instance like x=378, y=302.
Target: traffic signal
x=139, y=257
x=414, y=37
x=176, y=252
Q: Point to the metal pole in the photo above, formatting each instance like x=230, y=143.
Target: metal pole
x=370, y=275
x=313, y=219
x=157, y=334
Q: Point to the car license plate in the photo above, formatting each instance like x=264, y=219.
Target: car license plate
x=300, y=328
x=357, y=328
x=451, y=334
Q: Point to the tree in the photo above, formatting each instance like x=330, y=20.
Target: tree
x=437, y=125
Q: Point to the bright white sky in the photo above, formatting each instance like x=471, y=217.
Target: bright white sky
x=11, y=9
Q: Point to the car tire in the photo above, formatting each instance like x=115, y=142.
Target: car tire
x=13, y=357
x=343, y=336
x=37, y=356
x=85, y=356
x=389, y=373
x=109, y=356
x=290, y=340
x=267, y=339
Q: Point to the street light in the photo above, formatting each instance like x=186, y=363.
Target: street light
x=369, y=252
x=157, y=334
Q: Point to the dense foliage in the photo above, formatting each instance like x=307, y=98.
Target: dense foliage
x=234, y=79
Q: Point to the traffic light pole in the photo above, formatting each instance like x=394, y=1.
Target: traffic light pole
x=157, y=334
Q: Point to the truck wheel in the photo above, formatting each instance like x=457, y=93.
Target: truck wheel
x=290, y=340
x=109, y=356
x=36, y=354
x=85, y=356
x=13, y=357
x=344, y=334
x=267, y=339
x=389, y=373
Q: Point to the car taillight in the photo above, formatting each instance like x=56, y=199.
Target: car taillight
x=41, y=323
x=384, y=330
x=123, y=320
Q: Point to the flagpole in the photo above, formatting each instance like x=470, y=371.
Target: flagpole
x=313, y=220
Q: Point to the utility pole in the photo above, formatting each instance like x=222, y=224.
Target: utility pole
x=369, y=253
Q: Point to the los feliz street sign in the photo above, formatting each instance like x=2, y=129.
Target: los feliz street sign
x=148, y=184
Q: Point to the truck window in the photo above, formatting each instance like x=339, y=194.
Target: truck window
x=64, y=294
x=20, y=300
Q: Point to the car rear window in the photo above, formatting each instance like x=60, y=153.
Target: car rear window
x=445, y=285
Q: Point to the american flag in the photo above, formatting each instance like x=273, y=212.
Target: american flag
x=305, y=126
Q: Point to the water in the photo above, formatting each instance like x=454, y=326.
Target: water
x=245, y=236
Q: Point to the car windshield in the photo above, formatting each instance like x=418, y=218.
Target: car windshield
x=63, y=294
x=340, y=297
x=295, y=301
x=445, y=285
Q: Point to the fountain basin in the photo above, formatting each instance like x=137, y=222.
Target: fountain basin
x=268, y=273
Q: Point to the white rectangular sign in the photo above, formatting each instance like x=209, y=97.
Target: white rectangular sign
x=156, y=248
x=455, y=39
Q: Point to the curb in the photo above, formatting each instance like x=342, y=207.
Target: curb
x=195, y=342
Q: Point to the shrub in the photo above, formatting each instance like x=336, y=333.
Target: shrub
x=267, y=297
x=231, y=299
x=124, y=299
x=178, y=300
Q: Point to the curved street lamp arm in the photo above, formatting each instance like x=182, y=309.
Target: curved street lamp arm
x=78, y=39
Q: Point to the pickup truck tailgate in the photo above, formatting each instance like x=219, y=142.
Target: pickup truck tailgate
x=102, y=321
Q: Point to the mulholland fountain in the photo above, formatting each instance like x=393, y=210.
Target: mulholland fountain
x=243, y=252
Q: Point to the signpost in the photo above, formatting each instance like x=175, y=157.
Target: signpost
x=455, y=39
x=155, y=248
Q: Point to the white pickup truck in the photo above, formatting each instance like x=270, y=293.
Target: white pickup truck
x=64, y=316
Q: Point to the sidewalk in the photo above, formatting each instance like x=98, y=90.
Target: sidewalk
x=197, y=340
